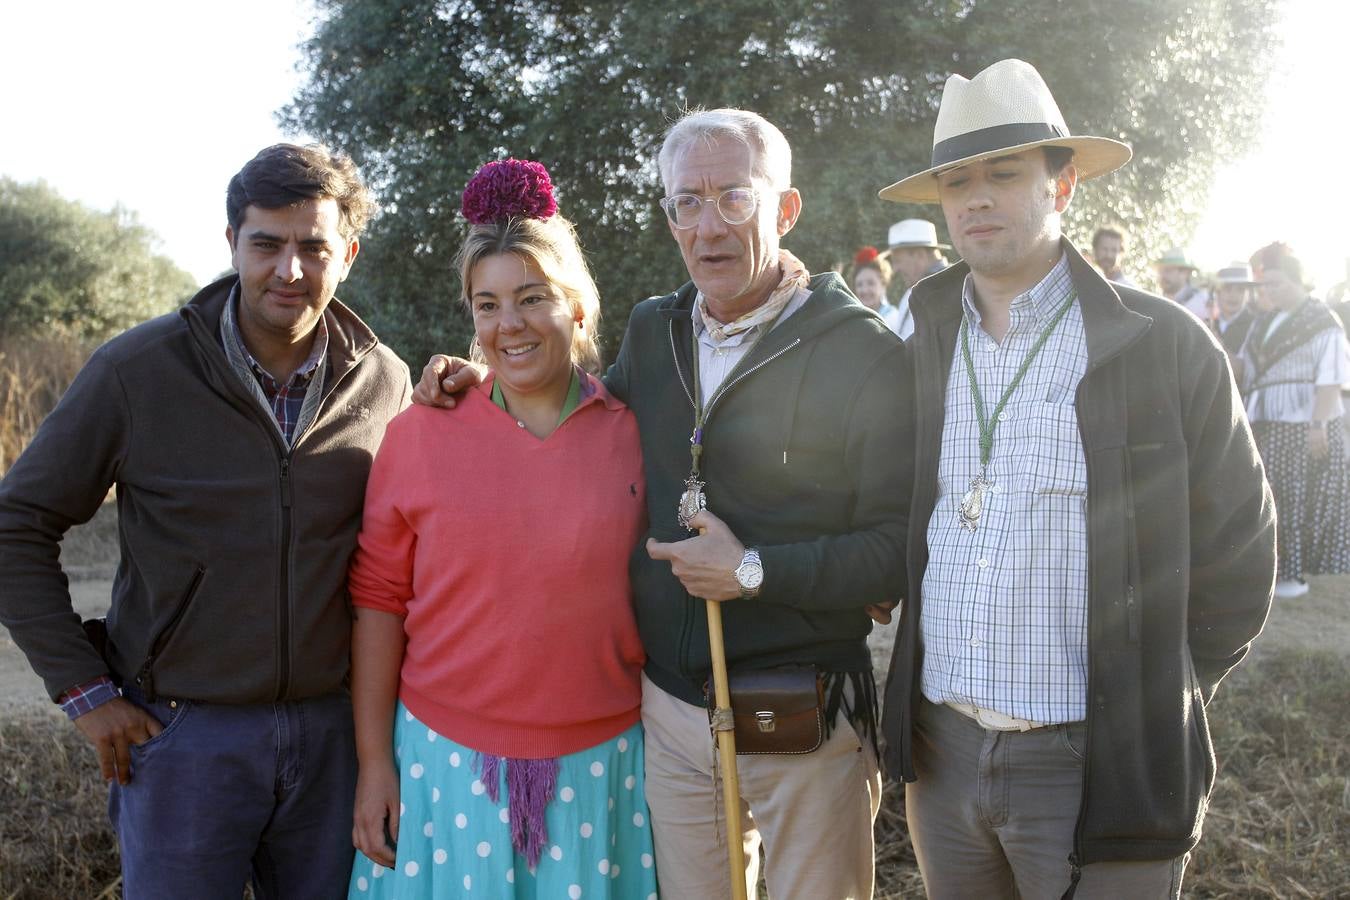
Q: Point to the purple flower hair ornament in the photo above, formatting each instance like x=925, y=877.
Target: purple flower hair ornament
x=508, y=189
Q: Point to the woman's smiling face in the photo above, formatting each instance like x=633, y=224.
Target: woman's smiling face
x=524, y=324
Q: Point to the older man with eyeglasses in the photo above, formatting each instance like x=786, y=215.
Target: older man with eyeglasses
x=774, y=436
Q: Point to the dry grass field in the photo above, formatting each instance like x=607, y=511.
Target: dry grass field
x=1279, y=824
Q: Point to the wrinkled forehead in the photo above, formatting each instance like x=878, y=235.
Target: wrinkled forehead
x=717, y=161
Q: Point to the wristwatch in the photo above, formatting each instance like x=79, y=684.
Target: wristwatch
x=750, y=573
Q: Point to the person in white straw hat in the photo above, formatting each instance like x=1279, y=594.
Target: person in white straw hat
x=1175, y=272
x=1091, y=544
x=1233, y=290
x=914, y=251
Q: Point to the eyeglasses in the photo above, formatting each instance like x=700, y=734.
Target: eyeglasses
x=736, y=206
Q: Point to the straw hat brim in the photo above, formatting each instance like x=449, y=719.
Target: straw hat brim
x=894, y=247
x=1092, y=156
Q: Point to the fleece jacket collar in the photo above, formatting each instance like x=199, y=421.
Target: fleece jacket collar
x=349, y=338
x=1110, y=326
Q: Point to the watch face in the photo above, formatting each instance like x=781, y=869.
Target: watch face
x=750, y=576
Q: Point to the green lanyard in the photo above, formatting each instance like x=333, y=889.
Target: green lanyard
x=972, y=503
x=986, y=422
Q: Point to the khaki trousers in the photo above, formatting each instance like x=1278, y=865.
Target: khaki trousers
x=814, y=812
x=992, y=815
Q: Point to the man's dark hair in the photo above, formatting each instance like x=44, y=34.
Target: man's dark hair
x=285, y=174
x=1056, y=158
x=1108, y=231
x=1279, y=255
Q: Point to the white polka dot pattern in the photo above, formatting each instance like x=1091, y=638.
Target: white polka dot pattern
x=456, y=842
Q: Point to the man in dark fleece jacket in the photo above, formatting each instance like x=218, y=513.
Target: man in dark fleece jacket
x=797, y=401
x=1092, y=540
x=238, y=433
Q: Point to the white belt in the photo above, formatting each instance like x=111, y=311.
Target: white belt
x=993, y=720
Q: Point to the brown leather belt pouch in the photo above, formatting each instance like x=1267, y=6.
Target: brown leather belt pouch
x=777, y=711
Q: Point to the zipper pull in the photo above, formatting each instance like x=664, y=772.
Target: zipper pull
x=1075, y=873
x=145, y=680
x=1132, y=614
x=286, y=484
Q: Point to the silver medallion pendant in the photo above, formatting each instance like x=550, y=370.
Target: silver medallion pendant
x=691, y=501
x=972, y=504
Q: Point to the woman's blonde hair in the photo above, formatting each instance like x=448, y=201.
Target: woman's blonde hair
x=551, y=244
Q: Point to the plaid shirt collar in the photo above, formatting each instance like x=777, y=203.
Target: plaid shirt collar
x=301, y=376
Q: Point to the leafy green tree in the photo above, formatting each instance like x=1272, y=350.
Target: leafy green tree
x=67, y=270
x=421, y=93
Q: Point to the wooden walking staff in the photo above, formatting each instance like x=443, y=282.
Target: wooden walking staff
x=724, y=727
x=692, y=501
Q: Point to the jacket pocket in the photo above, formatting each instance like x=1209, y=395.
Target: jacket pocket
x=145, y=678
x=1200, y=729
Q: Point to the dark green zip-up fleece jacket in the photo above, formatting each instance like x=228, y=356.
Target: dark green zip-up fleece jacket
x=805, y=458
x=1181, y=555
x=232, y=582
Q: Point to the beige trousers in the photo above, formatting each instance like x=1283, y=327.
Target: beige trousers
x=814, y=812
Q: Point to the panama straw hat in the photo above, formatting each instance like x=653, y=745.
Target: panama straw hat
x=914, y=233
x=1235, y=273
x=1177, y=256
x=1005, y=109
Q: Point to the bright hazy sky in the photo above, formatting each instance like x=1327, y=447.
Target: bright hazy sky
x=154, y=105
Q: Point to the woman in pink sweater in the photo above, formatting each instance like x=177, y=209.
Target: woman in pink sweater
x=505, y=670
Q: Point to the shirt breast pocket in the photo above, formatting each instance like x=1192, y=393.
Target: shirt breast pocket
x=1057, y=468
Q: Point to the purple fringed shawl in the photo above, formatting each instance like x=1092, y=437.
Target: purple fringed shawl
x=530, y=784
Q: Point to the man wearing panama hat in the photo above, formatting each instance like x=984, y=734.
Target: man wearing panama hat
x=914, y=251
x=1091, y=543
x=1232, y=296
x=1175, y=271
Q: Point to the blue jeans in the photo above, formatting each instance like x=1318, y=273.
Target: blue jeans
x=229, y=791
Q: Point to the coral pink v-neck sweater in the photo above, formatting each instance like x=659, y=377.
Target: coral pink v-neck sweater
x=508, y=557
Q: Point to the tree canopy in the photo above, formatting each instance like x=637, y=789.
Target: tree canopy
x=422, y=92
x=69, y=270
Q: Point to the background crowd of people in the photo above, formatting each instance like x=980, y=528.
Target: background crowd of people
x=1290, y=352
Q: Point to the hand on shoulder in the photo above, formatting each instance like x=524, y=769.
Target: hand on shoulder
x=445, y=377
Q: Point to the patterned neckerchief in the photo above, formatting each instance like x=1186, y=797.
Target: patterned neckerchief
x=795, y=277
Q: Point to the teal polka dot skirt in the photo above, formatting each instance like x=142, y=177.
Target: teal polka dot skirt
x=454, y=842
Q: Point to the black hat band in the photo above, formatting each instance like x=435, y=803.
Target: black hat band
x=999, y=137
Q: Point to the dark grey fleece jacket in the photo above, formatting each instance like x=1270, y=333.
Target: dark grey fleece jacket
x=806, y=458
x=232, y=582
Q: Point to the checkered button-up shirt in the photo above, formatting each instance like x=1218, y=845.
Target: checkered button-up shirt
x=293, y=403
x=1004, y=619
